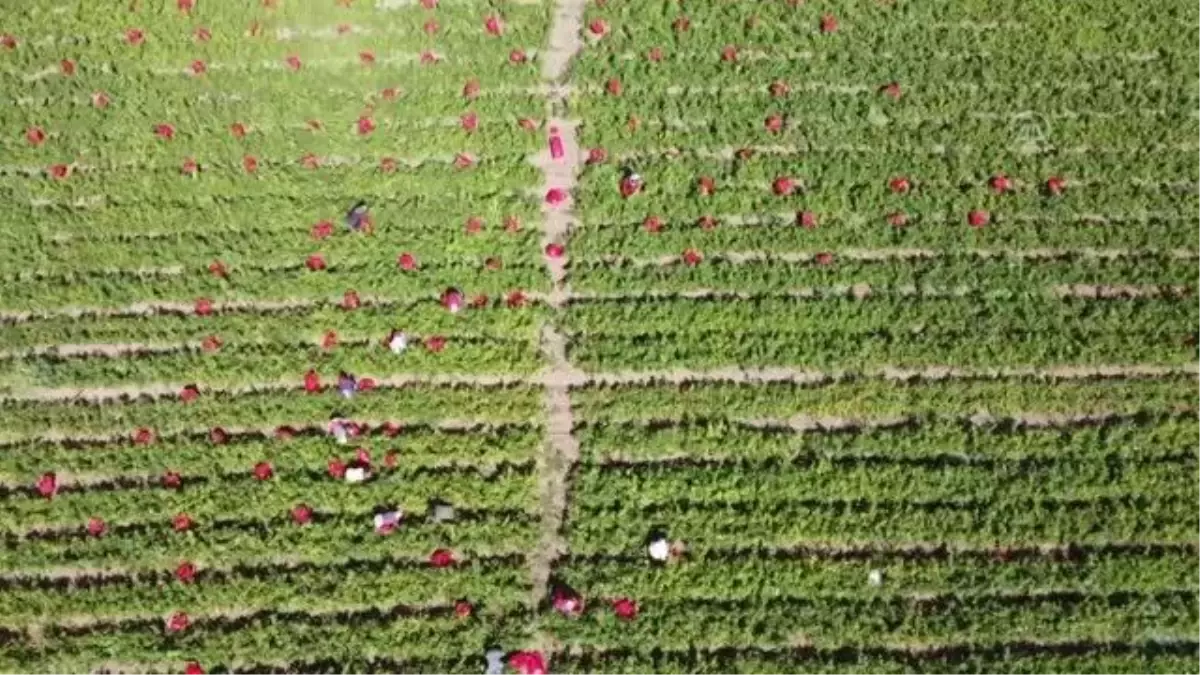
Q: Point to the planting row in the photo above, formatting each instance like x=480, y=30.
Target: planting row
x=880, y=348
x=1033, y=110
x=879, y=331
x=932, y=442
x=928, y=64
x=1116, y=615
x=142, y=43
x=352, y=284
x=1019, y=657
x=418, y=449
x=870, y=483
x=737, y=575
x=329, y=536
x=271, y=491
x=266, y=410
x=246, y=178
x=868, y=399
x=277, y=19
x=271, y=106
x=885, y=180
x=693, y=270
x=407, y=636
x=489, y=584
x=390, y=144
x=782, y=230
x=233, y=364
x=372, y=321
x=297, y=218
x=1076, y=23
x=983, y=314
x=223, y=253
x=972, y=521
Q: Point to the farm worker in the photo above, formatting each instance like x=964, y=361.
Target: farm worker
x=631, y=183
x=347, y=385
x=356, y=473
x=357, y=217
x=659, y=548
x=359, y=469
x=566, y=601
x=339, y=428
x=397, y=341
x=387, y=521
x=495, y=661
x=527, y=663
x=452, y=300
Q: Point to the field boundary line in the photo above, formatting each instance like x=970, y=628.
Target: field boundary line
x=559, y=162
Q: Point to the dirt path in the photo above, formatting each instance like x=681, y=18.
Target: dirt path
x=561, y=450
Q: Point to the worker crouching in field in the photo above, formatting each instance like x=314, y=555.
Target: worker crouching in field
x=566, y=601
x=396, y=341
x=347, y=385
x=386, y=521
x=661, y=549
x=358, y=218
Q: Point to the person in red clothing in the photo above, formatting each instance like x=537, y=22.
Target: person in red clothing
x=631, y=183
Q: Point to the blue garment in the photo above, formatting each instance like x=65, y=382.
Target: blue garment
x=356, y=217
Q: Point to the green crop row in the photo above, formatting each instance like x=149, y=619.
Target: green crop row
x=279, y=144
x=211, y=496
x=257, y=362
x=367, y=279
x=229, y=22
x=779, y=231
x=878, y=481
x=327, y=542
x=932, y=440
x=947, y=271
x=270, y=106
x=899, y=315
x=280, y=216
x=708, y=526
x=650, y=96
x=924, y=70
x=371, y=321
x=871, y=348
x=736, y=579
x=416, y=449
x=826, y=185
x=329, y=638
x=1151, y=657
x=944, y=186
x=411, y=404
x=432, y=253
x=313, y=589
x=1061, y=27
x=824, y=619
x=279, y=177
x=871, y=398
x=382, y=35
